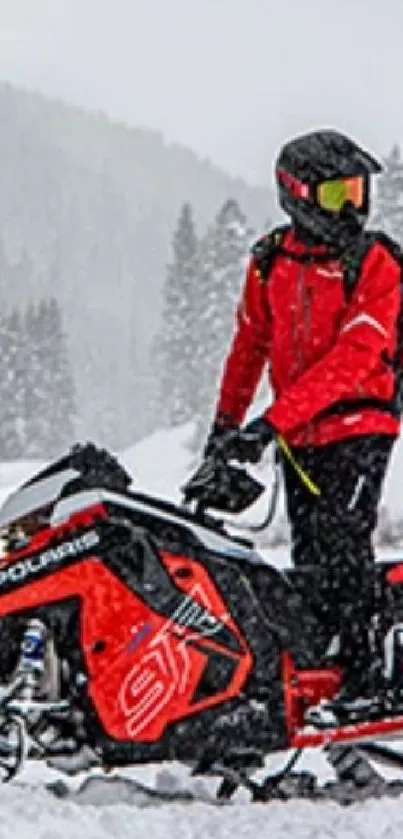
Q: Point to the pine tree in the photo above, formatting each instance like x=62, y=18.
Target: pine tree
x=223, y=256
x=37, y=393
x=62, y=409
x=50, y=397
x=174, y=347
x=389, y=200
x=13, y=365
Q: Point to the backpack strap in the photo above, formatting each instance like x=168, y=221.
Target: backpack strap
x=265, y=250
x=352, y=258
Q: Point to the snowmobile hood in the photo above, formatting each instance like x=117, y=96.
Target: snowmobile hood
x=219, y=542
x=65, y=489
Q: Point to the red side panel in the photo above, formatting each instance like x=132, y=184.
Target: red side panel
x=143, y=668
x=349, y=733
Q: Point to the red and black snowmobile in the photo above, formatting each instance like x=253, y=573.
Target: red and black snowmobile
x=151, y=633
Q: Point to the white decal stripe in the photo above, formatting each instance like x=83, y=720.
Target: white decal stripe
x=365, y=318
x=333, y=275
x=243, y=315
x=87, y=498
x=356, y=492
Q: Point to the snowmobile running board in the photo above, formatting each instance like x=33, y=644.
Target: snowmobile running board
x=355, y=733
x=308, y=692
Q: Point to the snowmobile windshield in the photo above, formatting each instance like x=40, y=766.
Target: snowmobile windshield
x=29, y=508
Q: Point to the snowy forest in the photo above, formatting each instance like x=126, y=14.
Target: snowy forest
x=87, y=212
x=121, y=261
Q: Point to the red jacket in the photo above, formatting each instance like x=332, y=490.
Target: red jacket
x=322, y=351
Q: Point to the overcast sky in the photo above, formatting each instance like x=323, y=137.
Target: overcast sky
x=230, y=78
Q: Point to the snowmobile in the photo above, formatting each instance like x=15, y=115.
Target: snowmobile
x=150, y=632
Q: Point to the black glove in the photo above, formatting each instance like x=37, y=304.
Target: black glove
x=253, y=439
x=224, y=430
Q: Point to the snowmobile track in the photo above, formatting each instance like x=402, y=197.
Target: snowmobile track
x=101, y=790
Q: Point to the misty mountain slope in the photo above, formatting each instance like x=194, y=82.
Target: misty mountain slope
x=87, y=212
x=77, y=186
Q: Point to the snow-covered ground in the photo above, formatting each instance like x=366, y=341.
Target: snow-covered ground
x=28, y=812
x=160, y=465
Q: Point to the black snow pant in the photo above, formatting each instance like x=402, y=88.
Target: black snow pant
x=333, y=534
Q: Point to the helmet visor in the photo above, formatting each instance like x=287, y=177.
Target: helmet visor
x=333, y=195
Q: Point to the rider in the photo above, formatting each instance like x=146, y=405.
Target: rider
x=332, y=380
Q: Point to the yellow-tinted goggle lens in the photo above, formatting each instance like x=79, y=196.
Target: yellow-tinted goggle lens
x=332, y=195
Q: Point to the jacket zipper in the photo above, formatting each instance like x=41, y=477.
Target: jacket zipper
x=300, y=306
x=304, y=308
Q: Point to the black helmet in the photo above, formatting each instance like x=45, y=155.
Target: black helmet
x=311, y=161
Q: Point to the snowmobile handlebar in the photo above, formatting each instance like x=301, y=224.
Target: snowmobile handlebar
x=220, y=486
